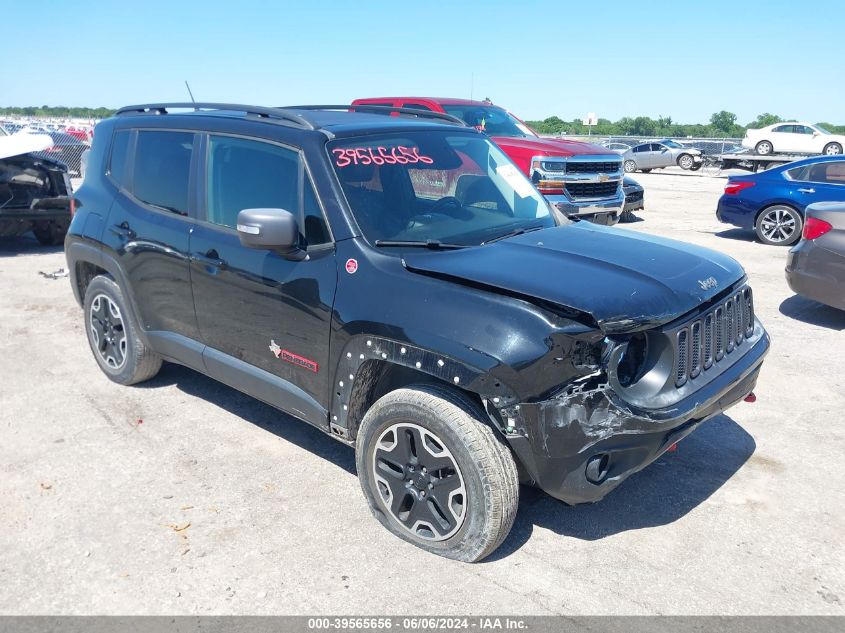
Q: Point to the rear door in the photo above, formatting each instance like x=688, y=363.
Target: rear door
x=149, y=224
x=265, y=319
x=821, y=182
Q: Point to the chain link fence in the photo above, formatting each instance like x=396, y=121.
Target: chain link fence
x=71, y=138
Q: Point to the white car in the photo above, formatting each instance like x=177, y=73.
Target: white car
x=793, y=138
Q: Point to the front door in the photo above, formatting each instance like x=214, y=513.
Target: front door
x=265, y=319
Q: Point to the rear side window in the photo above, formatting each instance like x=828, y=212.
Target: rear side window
x=249, y=174
x=119, y=158
x=162, y=169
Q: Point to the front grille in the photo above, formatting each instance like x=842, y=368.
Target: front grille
x=591, y=189
x=702, y=343
x=590, y=167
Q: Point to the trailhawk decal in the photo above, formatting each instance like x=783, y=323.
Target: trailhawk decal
x=290, y=357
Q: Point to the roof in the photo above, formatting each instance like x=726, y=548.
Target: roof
x=439, y=100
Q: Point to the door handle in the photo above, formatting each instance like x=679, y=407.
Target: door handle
x=807, y=190
x=209, y=258
x=123, y=231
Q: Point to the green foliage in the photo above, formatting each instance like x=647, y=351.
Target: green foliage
x=722, y=125
x=58, y=112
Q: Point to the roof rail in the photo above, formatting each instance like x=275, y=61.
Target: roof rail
x=384, y=109
x=259, y=111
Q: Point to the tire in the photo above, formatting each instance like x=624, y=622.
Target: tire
x=696, y=166
x=779, y=225
x=629, y=166
x=49, y=233
x=764, y=148
x=479, y=484
x=112, y=335
x=832, y=149
x=685, y=161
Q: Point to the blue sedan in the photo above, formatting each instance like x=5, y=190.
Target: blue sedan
x=773, y=202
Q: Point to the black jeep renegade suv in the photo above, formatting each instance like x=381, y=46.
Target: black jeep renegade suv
x=398, y=283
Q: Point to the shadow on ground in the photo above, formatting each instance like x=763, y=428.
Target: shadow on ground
x=25, y=245
x=256, y=412
x=813, y=312
x=662, y=493
x=741, y=235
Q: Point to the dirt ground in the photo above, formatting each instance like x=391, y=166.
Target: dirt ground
x=184, y=496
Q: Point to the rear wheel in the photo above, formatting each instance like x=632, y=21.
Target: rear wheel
x=779, y=225
x=113, y=337
x=435, y=474
x=764, y=148
x=832, y=149
x=629, y=166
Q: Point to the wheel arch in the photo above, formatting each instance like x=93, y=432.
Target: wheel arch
x=777, y=203
x=372, y=366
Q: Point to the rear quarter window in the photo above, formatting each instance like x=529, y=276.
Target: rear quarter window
x=162, y=169
x=119, y=158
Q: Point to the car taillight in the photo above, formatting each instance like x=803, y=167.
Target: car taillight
x=735, y=187
x=72, y=207
x=550, y=187
x=814, y=228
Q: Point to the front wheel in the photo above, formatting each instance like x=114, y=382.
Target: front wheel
x=685, y=161
x=832, y=149
x=435, y=474
x=629, y=166
x=779, y=225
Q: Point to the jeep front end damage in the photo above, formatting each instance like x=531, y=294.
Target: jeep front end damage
x=652, y=389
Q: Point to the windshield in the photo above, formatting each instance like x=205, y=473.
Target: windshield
x=450, y=188
x=490, y=120
x=821, y=129
x=672, y=144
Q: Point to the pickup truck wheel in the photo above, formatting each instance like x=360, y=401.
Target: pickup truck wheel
x=119, y=352
x=435, y=474
x=629, y=166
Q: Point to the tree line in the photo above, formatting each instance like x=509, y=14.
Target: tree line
x=722, y=125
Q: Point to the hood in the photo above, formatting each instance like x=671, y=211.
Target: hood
x=625, y=281
x=550, y=147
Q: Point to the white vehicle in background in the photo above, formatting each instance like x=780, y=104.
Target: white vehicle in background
x=793, y=138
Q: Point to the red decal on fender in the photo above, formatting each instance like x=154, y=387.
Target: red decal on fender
x=296, y=359
x=351, y=266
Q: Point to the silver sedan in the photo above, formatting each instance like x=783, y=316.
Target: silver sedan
x=815, y=267
x=647, y=156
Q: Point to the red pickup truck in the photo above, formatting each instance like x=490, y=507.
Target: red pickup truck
x=579, y=179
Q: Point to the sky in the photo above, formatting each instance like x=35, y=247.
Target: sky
x=678, y=58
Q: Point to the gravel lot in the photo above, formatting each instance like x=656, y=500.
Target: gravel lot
x=184, y=496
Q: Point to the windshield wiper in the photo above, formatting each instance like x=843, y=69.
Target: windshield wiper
x=432, y=244
x=513, y=233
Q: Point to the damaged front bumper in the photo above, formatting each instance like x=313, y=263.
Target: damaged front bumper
x=579, y=446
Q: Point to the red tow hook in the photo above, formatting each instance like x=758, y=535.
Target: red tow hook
x=750, y=397
x=672, y=448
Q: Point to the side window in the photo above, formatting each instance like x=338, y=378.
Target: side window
x=804, y=129
x=784, y=128
x=314, y=225
x=250, y=174
x=162, y=169
x=417, y=106
x=798, y=173
x=119, y=157
x=641, y=148
x=835, y=173
x=247, y=174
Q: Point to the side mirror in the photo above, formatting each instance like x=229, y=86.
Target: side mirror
x=272, y=230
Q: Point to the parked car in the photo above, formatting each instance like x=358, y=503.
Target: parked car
x=399, y=283
x=34, y=195
x=634, y=199
x=772, y=202
x=580, y=179
x=795, y=138
x=619, y=148
x=815, y=267
x=657, y=155
x=68, y=150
